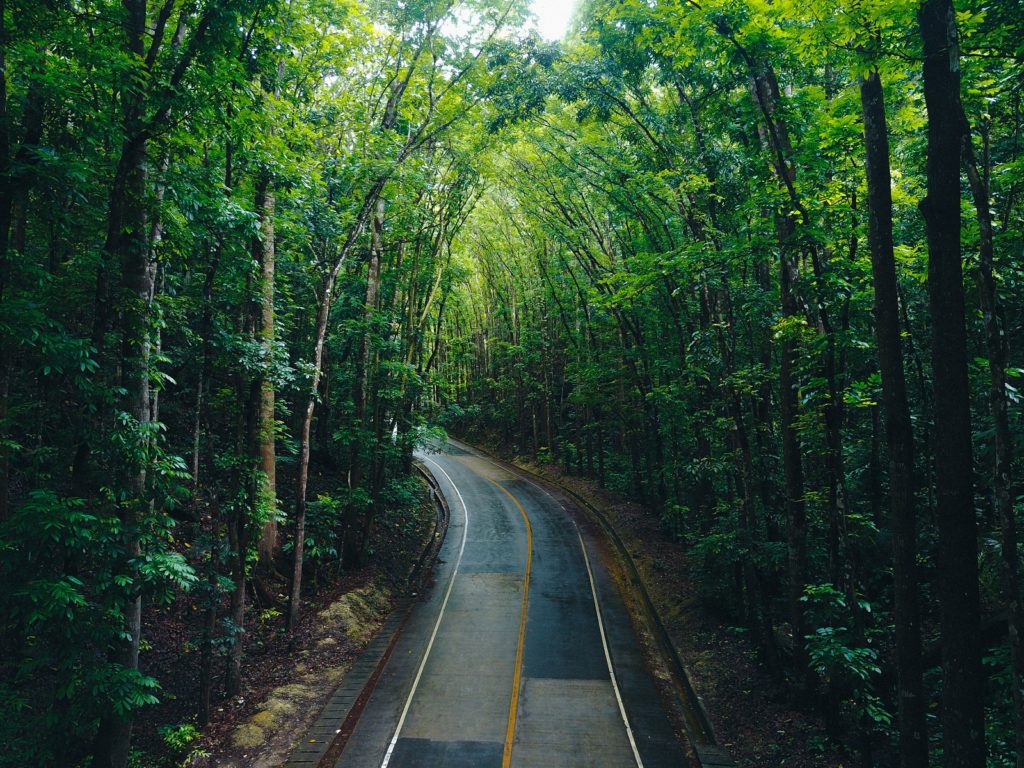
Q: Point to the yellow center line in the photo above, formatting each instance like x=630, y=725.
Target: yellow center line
x=517, y=677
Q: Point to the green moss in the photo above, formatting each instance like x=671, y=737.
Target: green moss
x=264, y=719
x=279, y=707
x=293, y=691
x=248, y=735
x=359, y=612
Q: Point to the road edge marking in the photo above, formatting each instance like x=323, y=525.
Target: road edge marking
x=607, y=653
x=440, y=616
x=517, y=676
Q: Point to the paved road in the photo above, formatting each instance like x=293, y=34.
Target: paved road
x=509, y=662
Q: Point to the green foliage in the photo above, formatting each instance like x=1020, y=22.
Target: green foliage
x=67, y=582
x=133, y=344
x=324, y=526
x=580, y=248
x=178, y=749
x=846, y=665
x=1000, y=729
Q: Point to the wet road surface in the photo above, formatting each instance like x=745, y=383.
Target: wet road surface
x=523, y=654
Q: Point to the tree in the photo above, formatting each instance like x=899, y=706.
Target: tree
x=963, y=696
x=899, y=431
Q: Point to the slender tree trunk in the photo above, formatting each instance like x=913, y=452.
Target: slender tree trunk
x=757, y=603
x=357, y=525
x=763, y=427
x=238, y=543
x=6, y=190
x=209, y=631
x=875, y=466
x=792, y=460
x=796, y=515
x=18, y=173
x=137, y=282
x=899, y=430
x=127, y=241
x=6, y=203
x=842, y=569
x=249, y=484
x=6, y=364
x=358, y=520
x=360, y=385
x=206, y=329
x=957, y=588
x=775, y=137
x=268, y=547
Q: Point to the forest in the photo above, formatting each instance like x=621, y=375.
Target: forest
x=756, y=265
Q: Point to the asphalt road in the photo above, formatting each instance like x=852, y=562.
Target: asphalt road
x=522, y=655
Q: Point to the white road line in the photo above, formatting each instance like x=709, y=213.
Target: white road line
x=437, y=624
x=607, y=654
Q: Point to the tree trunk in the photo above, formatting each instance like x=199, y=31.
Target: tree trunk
x=757, y=603
x=126, y=241
x=796, y=514
x=209, y=630
x=206, y=329
x=358, y=520
x=957, y=588
x=899, y=430
x=18, y=174
x=775, y=137
x=842, y=568
x=238, y=542
x=248, y=487
x=269, y=547
x=5, y=388
x=875, y=466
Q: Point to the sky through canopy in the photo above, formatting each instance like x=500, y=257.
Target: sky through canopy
x=553, y=17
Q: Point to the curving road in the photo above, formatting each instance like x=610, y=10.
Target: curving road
x=523, y=655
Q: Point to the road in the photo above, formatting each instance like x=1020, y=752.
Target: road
x=523, y=654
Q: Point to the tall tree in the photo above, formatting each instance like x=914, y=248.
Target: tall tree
x=899, y=429
x=127, y=240
x=268, y=546
x=963, y=679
